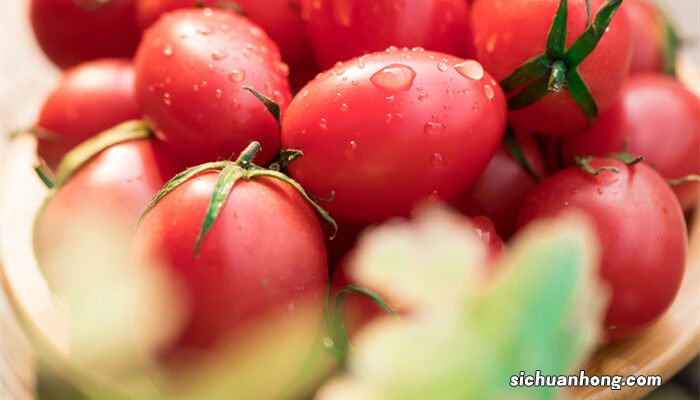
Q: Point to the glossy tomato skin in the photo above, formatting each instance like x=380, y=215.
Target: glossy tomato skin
x=70, y=32
x=385, y=131
x=358, y=309
x=642, y=231
x=264, y=253
x=116, y=185
x=281, y=20
x=90, y=98
x=190, y=71
x=341, y=30
x=648, y=30
x=657, y=118
x=507, y=34
x=501, y=189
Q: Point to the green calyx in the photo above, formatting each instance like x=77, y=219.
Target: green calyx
x=510, y=141
x=557, y=68
x=230, y=173
x=670, y=49
x=338, y=343
x=583, y=162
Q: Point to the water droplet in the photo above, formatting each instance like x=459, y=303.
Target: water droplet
x=475, y=107
x=447, y=107
x=423, y=98
x=471, y=69
x=218, y=93
x=283, y=69
x=351, y=149
x=600, y=190
x=203, y=30
x=390, y=99
x=195, y=87
x=342, y=12
x=151, y=88
x=323, y=123
x=218, y=55
x=392, y=49
x=344, y=107
x=166, y=99
x=489, y=92
x=207, y=12
x=394, y=77
x=438, y=160
x=168, y=50
x=210, y=67
x=433, y=128
x=450, y=92
x=236, y=75
x=360, y=63
x=235, y=105
x=442, y=66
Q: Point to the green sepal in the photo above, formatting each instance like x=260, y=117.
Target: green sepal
x=582, y=95
x=683, y=180
x=285, y=158
x=583, y=162
x=270, y=104
x=556, y=39
x=77, y=157
x=526, y=73
x=510, y=141
x=45, y=175
x=588, y=12
x=227, y=178
x=627, y=158
x=670, y=50
x=531, y=94
x=588, y=41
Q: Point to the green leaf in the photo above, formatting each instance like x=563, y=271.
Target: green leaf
x=670, y=49
x=228, y=177
x=556, y=39
x=526, y=73
x=531, y=94
x=77, y=157
x=178, y=180
x=582, y=95
x=588, y=41
x=270, y=104
x=278, y=175
x=510, y=141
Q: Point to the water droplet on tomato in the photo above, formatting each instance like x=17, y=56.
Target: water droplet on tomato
x=433, y=128
x=236, y=75
x=168, y=50
x=394, y=77
x=219, y=55
x=351, y=149
x=471, y=69
x=218, y=93
x=235, y=105
x=344, y=107
x=342, y=12
x=207, y=12
x=323, y=123
x=489, y=92
x=423, y=98
x=210, y=66
x=450, y=92
x=438, y=160
x=442, y=66
x=167, y=100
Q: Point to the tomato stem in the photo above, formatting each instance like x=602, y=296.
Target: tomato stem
x=557, y=76
x=245, y=159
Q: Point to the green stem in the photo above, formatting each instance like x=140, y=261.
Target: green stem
x=245, y=159
x=45, y=175
x=557, y=76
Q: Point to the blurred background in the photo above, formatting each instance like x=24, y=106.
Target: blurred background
x=25, y=78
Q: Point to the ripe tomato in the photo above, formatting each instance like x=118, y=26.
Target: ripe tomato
x=89, y=99
x=281, y=19
x=358, y=309
x=390, y=129
x=641, y=228
x=264, y=253
x=657, y=118
x=507, y=34
x=72, y=31
x=653, y=38
x=340, y=30
x=190, y=71
x=115, y=186
x=501, y=189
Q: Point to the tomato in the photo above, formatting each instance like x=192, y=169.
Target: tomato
x=104, y=197
x=340, y=30
x=507, y=34
x=264, y=253
x=358, y=309
x=89, y=99
x=640, y=226
x=385, y=131
x=501, y=189
x=281, y=19
x=190, y=71
x=652, y=38
x=657, y=118
x=72, y=31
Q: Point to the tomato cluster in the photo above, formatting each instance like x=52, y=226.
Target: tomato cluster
x=510, y=111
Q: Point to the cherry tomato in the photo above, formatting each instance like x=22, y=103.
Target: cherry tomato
x=72, y=31
x=263, y=253
x=652, y=38
x=501, y=189
x=640, y=226
x=507, y=34
x=89, y=99
x=115, y=186
x=385, y=131
x=656, y=117
x=340, y=30
x=358, y=309
x=281, y=19
x=190, y=71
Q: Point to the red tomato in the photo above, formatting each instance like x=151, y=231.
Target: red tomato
x=358, y=309
x=117, y=184
x=641, y=229
x=264, y=253
x=73, y=31
x=340, y=30
x=89, y=99
x=501, y=189
x=281, y=19
x=390, y=129
x=659, y=119
x=507, y=34
x=649, y=36
x=190, y=71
